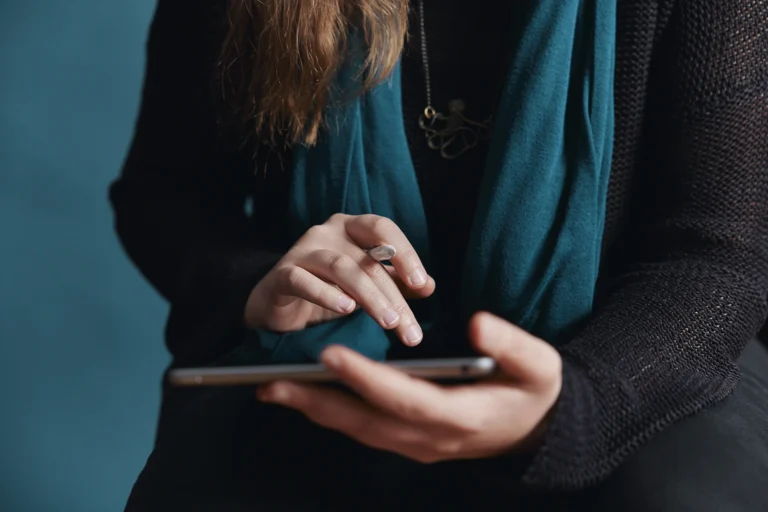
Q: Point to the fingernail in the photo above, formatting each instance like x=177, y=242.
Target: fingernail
x=413, y=335
x=346, y=304
x=418, y=277
x=390, y=317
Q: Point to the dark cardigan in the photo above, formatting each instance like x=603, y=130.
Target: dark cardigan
x=684, y=280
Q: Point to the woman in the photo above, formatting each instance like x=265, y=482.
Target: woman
x=596, y=178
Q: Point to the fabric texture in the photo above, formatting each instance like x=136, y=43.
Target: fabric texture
x=533, y=256
x=684, y=278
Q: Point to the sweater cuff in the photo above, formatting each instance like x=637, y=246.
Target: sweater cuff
x=207, y=322
x=559, y=462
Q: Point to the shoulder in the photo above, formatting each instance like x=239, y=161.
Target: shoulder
x=188, y=18
x=186, y=35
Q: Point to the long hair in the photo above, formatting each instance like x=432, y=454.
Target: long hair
x=279, y=59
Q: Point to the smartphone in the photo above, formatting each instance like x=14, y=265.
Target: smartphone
x=461, y=369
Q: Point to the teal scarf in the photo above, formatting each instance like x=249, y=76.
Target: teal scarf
x=534, y=248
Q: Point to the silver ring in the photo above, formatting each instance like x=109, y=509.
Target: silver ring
x=382, y=252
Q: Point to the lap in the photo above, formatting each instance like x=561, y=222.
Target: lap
x=714, y=461
x=218, y=454
x=221, y=450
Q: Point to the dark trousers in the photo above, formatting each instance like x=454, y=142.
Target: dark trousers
x=218, y=450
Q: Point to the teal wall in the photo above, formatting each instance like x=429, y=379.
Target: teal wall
x=80, y=331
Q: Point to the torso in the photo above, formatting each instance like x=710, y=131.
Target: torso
x=466, y=57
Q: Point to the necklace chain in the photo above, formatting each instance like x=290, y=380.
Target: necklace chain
x=451, y=133
x=425, y=58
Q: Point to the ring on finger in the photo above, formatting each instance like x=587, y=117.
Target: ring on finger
x=382, y=252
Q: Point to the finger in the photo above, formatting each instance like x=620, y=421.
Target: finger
x=408, y=292
x=343, y=271
x=408, y=330
x=389, y=389
x=519, y=354
x=369, y=231
x=342, y=412
x=298, y=282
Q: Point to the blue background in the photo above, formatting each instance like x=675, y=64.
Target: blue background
x=81, y=352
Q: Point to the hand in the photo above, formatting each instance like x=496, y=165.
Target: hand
x=328, y=274
x=427, y=422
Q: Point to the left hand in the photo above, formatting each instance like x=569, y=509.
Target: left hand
x=427, y=422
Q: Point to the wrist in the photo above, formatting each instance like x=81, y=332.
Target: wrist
x=535, y=439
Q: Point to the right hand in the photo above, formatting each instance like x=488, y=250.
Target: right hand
x=328, y=274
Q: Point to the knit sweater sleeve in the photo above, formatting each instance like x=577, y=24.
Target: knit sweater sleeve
x=179, y=209
x=690, y=290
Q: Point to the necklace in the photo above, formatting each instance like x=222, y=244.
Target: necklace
x=453, y=134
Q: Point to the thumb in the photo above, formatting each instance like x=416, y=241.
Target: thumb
x=519, y=354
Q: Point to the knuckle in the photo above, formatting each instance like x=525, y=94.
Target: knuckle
x=294, y=277
x=337, y=218
x=317, y=232
x=340, y=263
x=375, y=270
x=321, y=256
x=402, y=308
x=381, y=224
x=407, y=253
x=283, y=272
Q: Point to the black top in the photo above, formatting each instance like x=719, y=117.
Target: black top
x=684, y=279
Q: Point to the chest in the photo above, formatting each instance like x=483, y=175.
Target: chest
x=472, y=73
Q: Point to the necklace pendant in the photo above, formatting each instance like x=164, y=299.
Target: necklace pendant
x=452, y=134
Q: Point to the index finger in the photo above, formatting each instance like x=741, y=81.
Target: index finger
x=368, y=231
x=390, y=389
